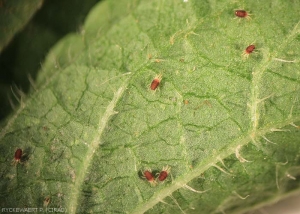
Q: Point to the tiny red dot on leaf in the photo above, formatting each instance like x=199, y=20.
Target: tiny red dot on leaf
x=241, y=13
x=164, y=173
x=148, y=175
x=155, y=82
x=18, y=154
x=250, y=49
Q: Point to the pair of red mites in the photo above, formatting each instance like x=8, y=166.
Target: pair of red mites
x=245, y=14
x=161, y=176
x=242, y=14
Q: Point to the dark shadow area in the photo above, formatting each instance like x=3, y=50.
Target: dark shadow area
x=22, y=58
x=26, y=154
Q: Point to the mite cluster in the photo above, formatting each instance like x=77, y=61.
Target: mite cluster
x=162, y=176
x=239, y=14
x=245, y=14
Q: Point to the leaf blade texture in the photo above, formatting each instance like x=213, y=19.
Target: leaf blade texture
x=227, y=126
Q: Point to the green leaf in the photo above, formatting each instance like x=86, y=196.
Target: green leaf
x=14, y=15
x=227, y=125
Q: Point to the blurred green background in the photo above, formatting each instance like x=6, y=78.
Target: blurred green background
x=21, y=58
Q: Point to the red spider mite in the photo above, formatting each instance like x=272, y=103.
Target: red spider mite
x=155, y=82
x=248, y=50
x=242, y=14
x=18, y=156
x=164, y=173
x=149, y=176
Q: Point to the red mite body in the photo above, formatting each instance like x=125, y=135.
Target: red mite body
x=164, y=173
x=155, y=83
x=18, y=155
x=148, y=175
x=241, y=13
x=250, y=49
x=162, y=176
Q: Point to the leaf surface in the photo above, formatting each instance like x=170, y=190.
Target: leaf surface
x=227, y=125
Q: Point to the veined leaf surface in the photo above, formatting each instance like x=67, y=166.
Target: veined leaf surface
x=227, y=125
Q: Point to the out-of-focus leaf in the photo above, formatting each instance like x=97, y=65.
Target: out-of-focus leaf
x=14, y=14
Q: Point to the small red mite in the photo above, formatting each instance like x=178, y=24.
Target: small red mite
x=149, y=176
x=18, y=156
x=155, y=82
x=248, y=50
x=164, y=173
x=242, y=14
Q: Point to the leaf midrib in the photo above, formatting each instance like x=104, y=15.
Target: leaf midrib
x=103, y=120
